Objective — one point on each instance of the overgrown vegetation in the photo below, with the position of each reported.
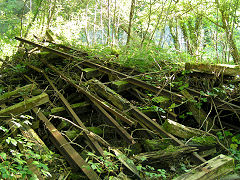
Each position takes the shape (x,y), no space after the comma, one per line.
(154,39)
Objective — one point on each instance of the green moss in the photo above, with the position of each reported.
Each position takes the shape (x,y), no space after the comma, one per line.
(89,69)
(156,144)
(171,148)
(119,83)
(160,99)
(95,130)
(204,140)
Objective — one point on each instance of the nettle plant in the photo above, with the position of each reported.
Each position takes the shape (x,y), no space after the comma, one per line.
(15,163)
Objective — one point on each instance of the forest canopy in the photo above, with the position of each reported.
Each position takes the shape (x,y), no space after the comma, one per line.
(179,30)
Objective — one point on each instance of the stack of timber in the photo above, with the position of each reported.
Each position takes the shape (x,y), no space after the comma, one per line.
(89,110)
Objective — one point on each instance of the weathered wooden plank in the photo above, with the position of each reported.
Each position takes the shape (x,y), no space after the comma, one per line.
(120,86)
(93,142)
(199,114)
(91,73)
(35,139)
(210,170)
(72,156)
(180,130)
(162,156)
(17,93)
(108,93)
(218,69)
(79,107)
(24,106)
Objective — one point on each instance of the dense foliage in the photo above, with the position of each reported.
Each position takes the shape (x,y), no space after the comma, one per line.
(202,30)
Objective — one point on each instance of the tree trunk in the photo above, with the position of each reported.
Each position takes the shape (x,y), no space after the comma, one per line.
(174,34)
(130,21)
(149,21)
(109,22)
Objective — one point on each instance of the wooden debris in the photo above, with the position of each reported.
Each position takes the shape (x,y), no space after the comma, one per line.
(108,93)
(218,69)
(25,90)
(199,114)
(99,103)
(180,130)
(72,156)
(162,156)
(93,142)
(156,144)
(106,70)
(90,73)
(24,106)
(120,86)
(80,108)
(126,161)
(210,170)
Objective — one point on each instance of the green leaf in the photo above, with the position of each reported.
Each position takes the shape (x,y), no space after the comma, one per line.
(3,129)
(227,133)
(234,146)
(14,142)
(3,155)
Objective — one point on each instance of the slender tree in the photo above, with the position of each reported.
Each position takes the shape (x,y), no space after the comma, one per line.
(130,21)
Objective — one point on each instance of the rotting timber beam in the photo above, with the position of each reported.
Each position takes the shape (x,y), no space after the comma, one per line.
(24,106)
(66,149)
(93,142)
(122,132)
(134,81)
(18,92)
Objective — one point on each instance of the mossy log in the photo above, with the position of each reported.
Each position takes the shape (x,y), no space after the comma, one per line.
(210,170)
(24,106)
(25,90)
(162,156)
(109,94)
(156,144)
(90,73)
(180,130)
(199,114)
(120,86)
(218,69)
(80,108)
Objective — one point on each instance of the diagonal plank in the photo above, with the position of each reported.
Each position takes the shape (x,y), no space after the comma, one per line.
(66,149)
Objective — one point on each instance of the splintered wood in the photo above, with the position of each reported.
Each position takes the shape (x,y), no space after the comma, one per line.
(210,170)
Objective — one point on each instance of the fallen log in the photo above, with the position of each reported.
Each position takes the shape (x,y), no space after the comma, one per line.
(210,170)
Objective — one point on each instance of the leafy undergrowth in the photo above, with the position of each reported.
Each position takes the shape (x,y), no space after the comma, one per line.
(169,74)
